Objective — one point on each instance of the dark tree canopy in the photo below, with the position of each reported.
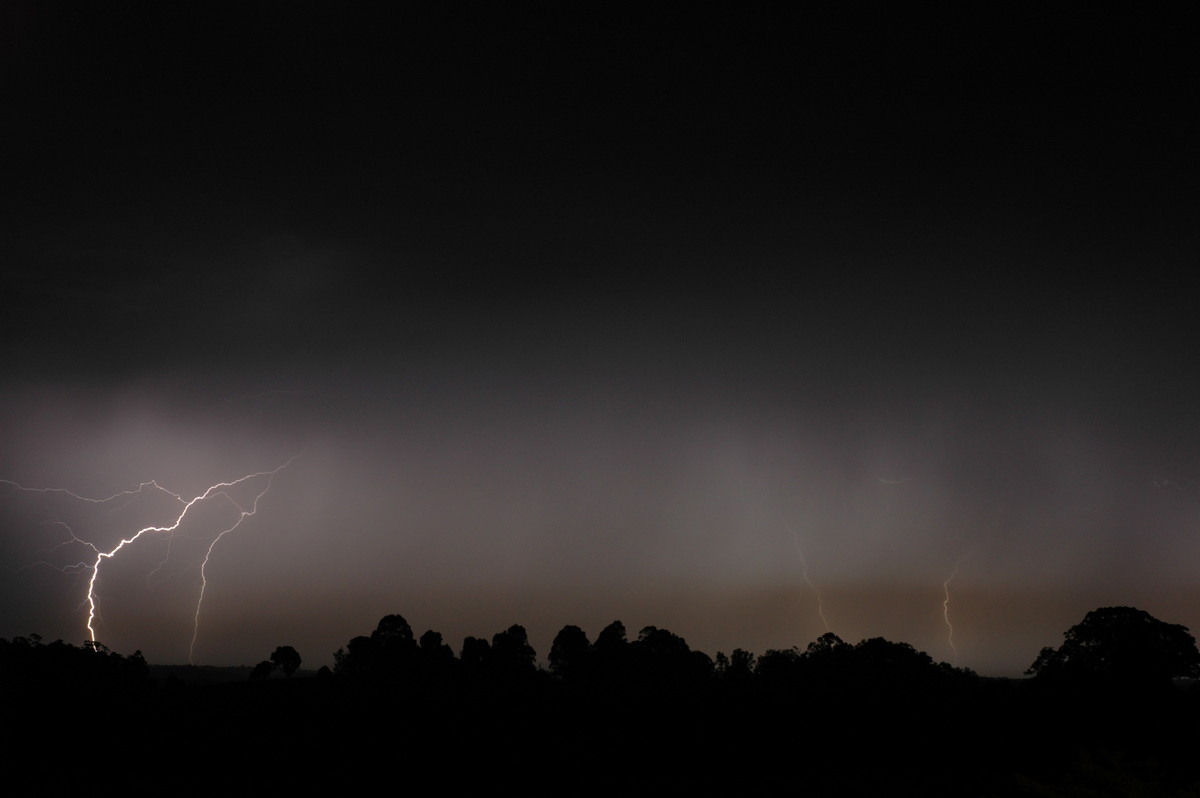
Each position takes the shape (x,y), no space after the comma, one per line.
(433,648)
(661,643)
(1120,646)
(827,645)
(393,632)
(569,650)
(262,670)
(355,657)
(71,670)
(738,665)
(511,651)
(390,649)
(287,659)
(475,652)
(611,637)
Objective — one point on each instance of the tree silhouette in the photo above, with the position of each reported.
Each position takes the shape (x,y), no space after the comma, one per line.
(475,653)
(739,665)
(287,659)
(611,637)
(262,670)
(511,652)
(827,645)
(569,651)
(356,657)
(393,631)
(434,649)
(1120,647)
(389,651)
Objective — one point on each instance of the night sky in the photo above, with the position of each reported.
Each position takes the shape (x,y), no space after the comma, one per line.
(599,314)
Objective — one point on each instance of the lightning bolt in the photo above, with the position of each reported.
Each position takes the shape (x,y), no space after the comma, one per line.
(221,491)
(804,575)
(946,610)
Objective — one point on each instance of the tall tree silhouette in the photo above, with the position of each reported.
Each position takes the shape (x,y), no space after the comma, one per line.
(569,651)
(511,653)
(1120,647)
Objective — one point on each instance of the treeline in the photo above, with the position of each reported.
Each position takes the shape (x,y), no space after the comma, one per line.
(1103,714)
(86,672)
(646,713)
(631,715)
(655,660)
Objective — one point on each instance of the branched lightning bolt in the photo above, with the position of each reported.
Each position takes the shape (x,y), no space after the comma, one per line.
(946,610)
(221,489)
(124,493)
(807,580)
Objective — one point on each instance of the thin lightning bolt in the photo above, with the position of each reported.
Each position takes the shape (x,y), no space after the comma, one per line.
(807,580)
(217,491)
(946,610)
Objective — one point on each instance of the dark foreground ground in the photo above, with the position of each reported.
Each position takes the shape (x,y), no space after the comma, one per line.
(539,734)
